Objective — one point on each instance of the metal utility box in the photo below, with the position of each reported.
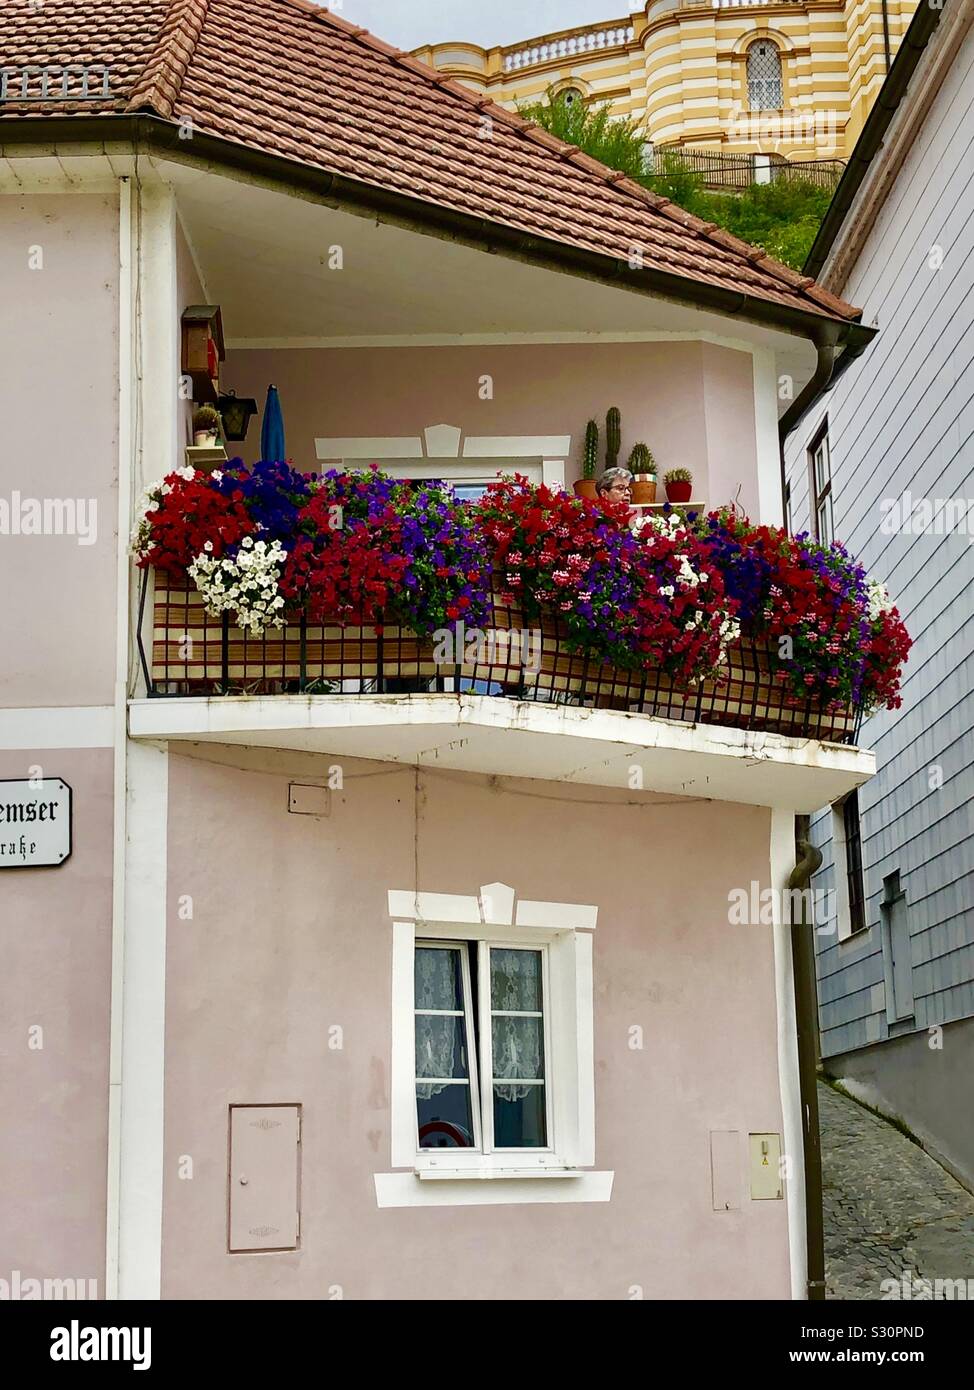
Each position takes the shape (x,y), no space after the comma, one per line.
(264,1172)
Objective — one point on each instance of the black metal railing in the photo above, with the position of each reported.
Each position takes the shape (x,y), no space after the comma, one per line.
(734,173)
(195,654)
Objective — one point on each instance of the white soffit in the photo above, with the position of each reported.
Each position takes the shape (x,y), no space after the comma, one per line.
(555,743)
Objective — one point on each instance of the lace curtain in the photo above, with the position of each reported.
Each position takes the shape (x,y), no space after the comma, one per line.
(440,1049)
(517,1043)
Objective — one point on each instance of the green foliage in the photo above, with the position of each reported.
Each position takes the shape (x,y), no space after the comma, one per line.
(613,436)
(678,475)
(617,143)
(641,460)
(675,181)
(591,450)
(781,217)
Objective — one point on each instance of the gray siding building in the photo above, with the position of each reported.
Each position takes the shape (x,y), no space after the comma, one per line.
(885,463)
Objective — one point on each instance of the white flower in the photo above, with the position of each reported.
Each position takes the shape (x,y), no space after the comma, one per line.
(216,476)
(878,598)
(245,584)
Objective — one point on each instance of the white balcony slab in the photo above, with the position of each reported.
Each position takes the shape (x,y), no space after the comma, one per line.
(554,743)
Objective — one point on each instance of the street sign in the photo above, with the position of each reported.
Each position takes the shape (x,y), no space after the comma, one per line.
(35,823)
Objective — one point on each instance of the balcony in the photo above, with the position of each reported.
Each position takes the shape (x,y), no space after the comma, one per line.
(526,632)
(550,713)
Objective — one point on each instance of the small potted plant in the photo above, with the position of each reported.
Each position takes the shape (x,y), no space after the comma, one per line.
(642,466)
(206,427)
(679,485)
(585,487)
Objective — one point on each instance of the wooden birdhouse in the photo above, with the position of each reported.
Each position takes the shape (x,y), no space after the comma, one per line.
(203,350)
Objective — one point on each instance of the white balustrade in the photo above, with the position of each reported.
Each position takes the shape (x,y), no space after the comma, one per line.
(589,41)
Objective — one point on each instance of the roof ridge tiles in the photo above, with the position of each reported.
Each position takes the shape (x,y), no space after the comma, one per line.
(160,82)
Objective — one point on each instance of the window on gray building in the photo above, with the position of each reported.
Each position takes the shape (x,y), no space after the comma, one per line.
(820,486)
(847,853)
(897,952)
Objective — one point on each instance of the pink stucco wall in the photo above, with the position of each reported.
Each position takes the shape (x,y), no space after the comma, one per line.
(290,935)
(691,402)
(59,372)
(55,930)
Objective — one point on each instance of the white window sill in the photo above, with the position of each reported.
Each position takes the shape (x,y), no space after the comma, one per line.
(515,1186)
(479,1174)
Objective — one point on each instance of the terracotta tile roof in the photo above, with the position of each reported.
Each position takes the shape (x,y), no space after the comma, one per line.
(287,78)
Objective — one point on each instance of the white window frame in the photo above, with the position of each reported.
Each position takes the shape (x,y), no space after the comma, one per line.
(463,472)
(563,931)
(472,1080)
(443,452)
(820,465)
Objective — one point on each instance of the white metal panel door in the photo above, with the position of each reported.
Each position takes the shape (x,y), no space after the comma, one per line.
(263,1173)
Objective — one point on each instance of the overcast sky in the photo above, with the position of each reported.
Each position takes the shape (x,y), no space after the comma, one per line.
(409,23)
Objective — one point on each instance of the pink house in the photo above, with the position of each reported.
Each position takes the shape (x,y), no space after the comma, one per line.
(257,1017)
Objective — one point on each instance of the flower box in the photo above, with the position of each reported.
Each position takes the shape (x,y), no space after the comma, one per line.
(196,653)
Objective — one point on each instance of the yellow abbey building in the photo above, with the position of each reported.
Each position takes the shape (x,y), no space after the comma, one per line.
(794,78)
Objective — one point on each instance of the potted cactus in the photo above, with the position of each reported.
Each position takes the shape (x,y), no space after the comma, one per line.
(613,436)
(642,466)
(585,487)
(206,426)
(679,485)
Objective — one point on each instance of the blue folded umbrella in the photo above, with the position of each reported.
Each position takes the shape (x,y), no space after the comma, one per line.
(272,448)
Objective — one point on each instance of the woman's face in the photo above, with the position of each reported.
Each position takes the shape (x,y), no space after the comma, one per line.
(620,491)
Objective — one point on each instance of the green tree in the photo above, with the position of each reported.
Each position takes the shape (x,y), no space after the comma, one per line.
(616,143)
(781,217)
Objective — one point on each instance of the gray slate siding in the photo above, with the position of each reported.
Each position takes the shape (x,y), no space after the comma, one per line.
(901,420)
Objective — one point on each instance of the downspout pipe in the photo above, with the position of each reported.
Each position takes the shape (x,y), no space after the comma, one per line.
(831,362)
(806,1013)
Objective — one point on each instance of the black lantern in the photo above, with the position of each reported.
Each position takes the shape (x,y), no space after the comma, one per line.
(236,412)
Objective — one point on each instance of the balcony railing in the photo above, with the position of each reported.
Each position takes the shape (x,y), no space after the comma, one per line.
(574,45)
(195,654)
(734,4)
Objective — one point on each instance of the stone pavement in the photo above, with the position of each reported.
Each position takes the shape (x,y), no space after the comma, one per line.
(889,1209)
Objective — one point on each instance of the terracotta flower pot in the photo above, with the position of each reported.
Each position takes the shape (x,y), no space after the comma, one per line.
(585,487)
(679,492)
(644,488)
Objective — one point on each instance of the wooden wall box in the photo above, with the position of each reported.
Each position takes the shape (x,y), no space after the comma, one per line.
(203,350)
